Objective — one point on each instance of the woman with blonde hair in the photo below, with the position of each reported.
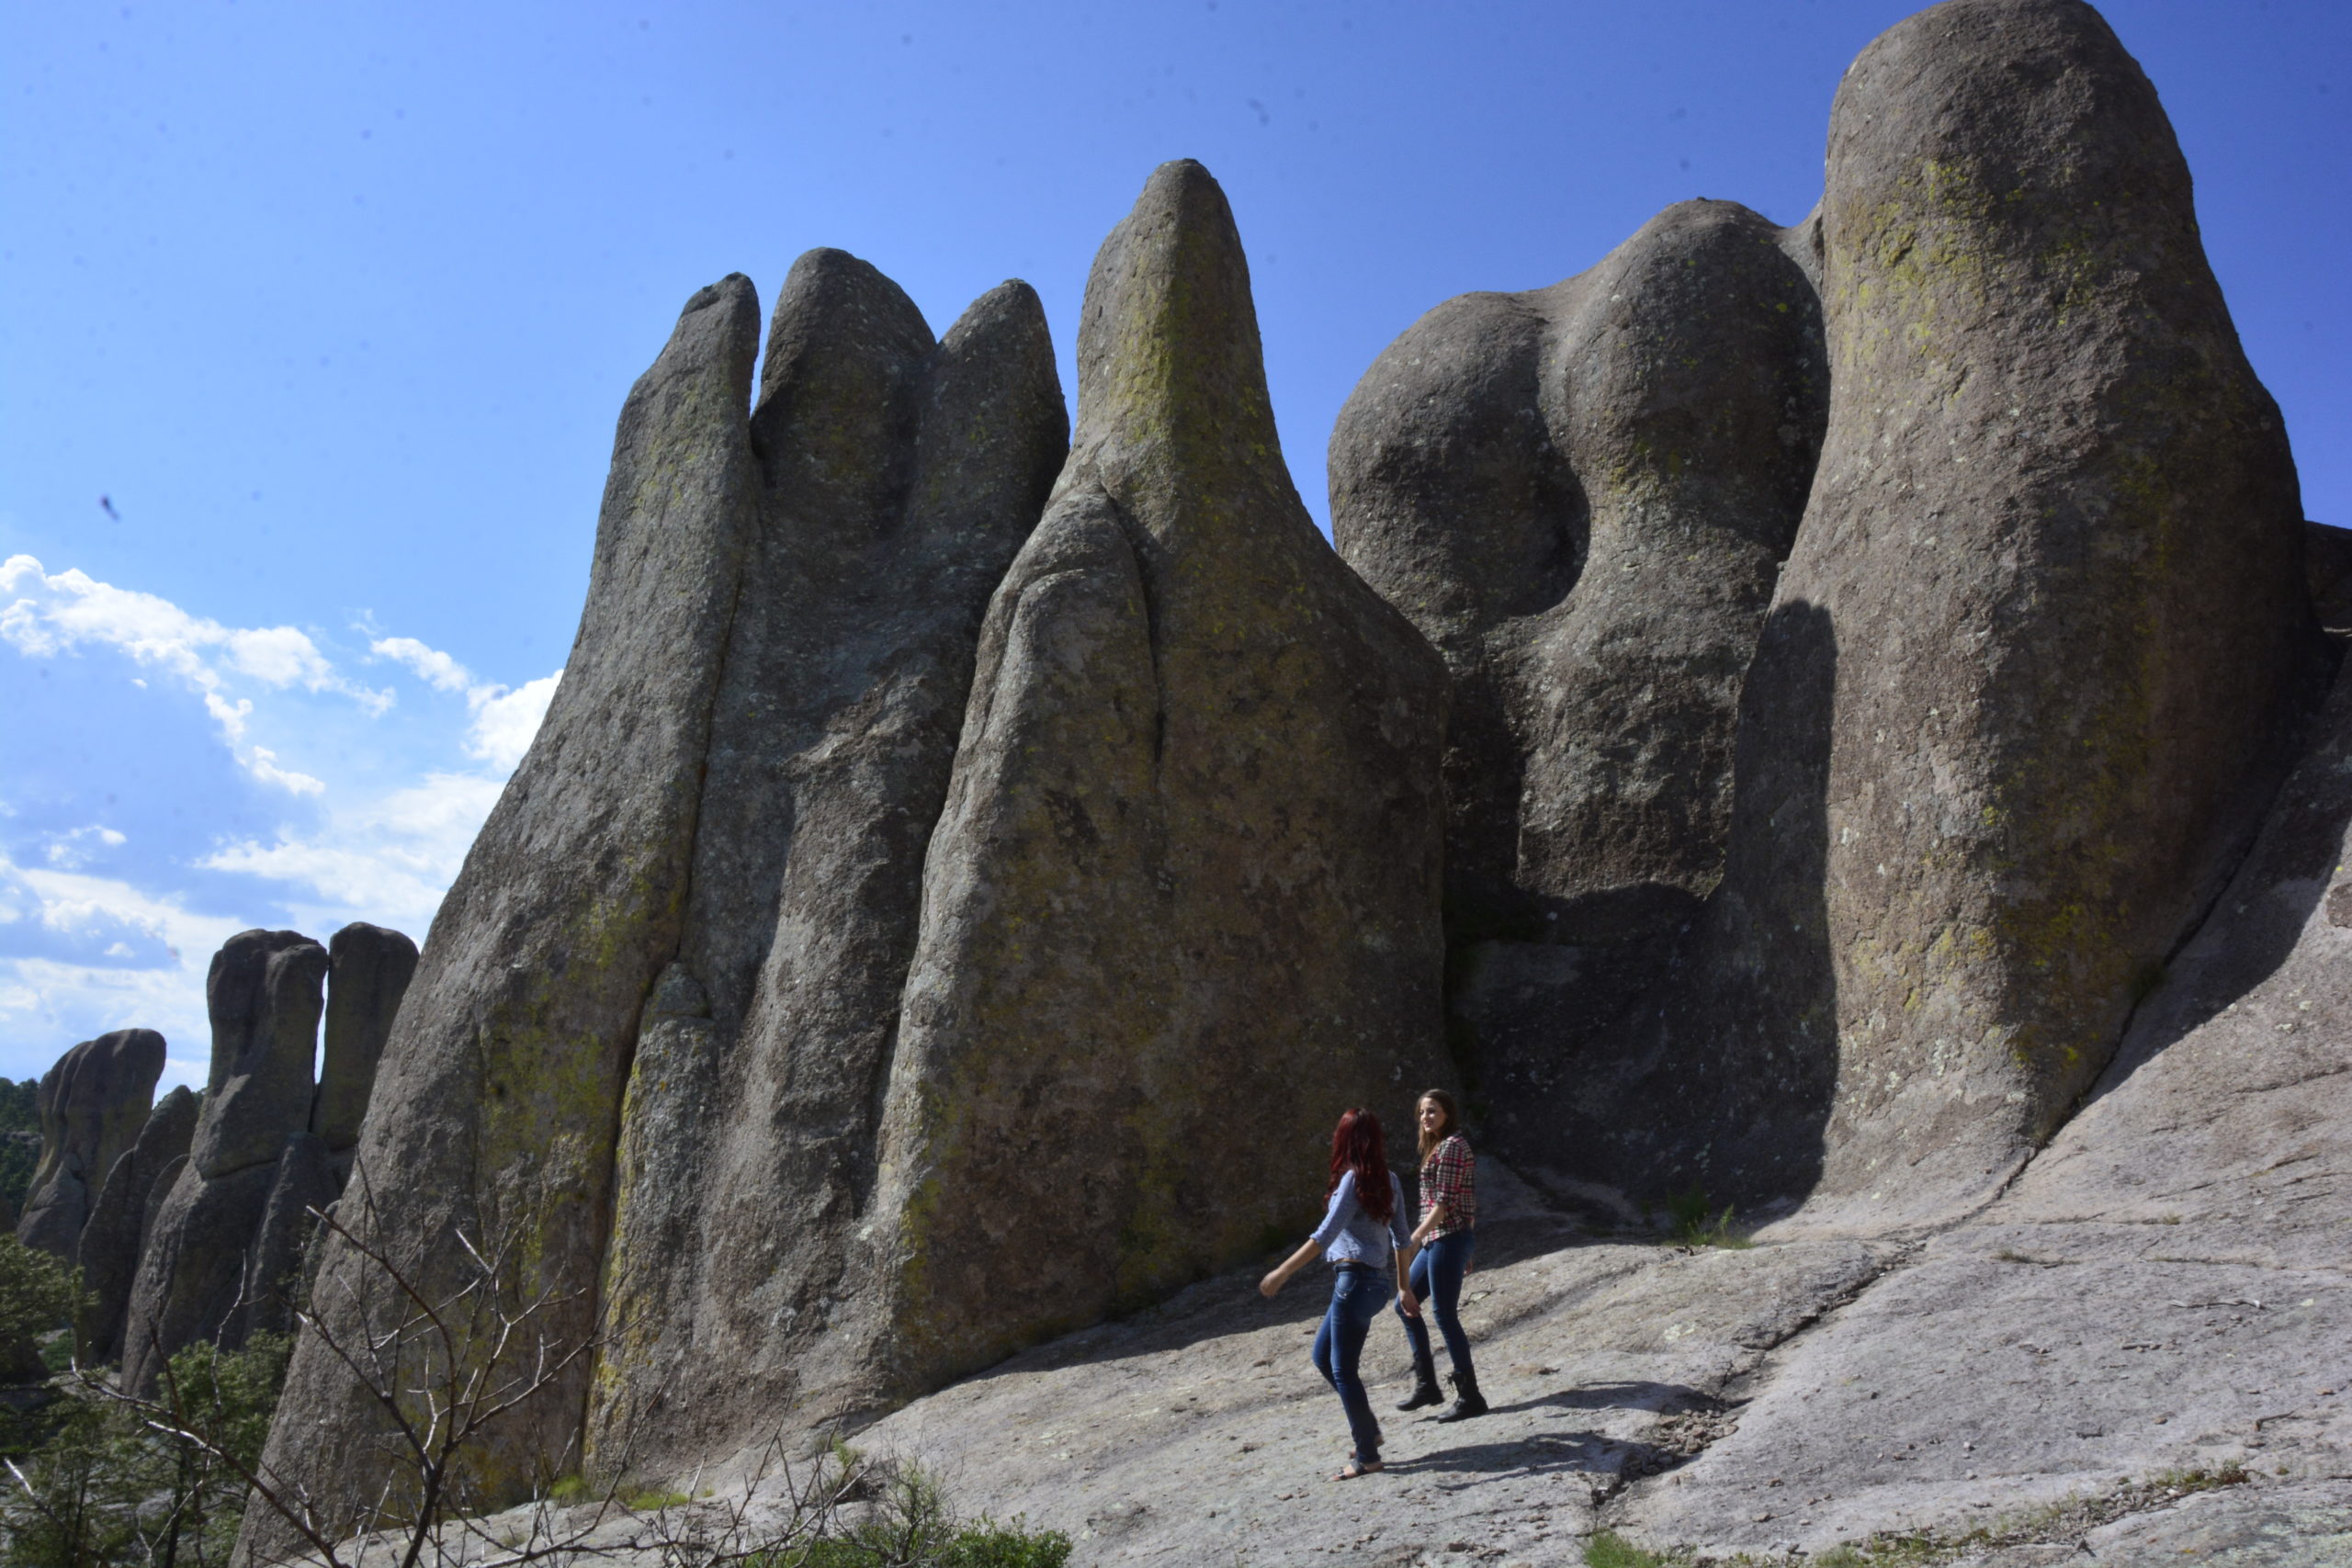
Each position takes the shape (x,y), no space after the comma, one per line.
(1443,1241)
(1363,1230)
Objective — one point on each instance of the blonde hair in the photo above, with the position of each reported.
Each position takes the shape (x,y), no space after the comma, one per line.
(1443,1102)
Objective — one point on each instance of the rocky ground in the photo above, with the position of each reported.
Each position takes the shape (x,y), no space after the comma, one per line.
(2140,1349)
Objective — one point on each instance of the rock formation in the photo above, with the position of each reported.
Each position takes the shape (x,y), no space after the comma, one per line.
(1583,495)
(825,1030)
(2019,693)
(502,1081)
(898,476)
(1189,860)
(941,911)
(369,969)
(2055,557)
(302,1181)
(116,1235)
(263,994)
(93,1104)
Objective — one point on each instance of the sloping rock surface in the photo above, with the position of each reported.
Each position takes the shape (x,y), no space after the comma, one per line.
(2165,1288)
(899,475)
(1189,859)
(2159,1300)
(92,1103)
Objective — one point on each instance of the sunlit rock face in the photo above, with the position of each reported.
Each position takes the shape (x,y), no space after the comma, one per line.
(1189,860)
(1785,690)
(1848,889)
(92,1103)
(1583,494)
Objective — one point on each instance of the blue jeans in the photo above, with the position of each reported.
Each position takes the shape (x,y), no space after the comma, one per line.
(1437,1284)
(1357,1295)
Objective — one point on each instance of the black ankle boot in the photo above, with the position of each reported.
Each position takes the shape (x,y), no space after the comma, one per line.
(1424,1383)
(1467,1399)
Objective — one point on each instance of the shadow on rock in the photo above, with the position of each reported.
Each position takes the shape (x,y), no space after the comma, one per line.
(1540,1453)
(1659,1397)
(1715,1078)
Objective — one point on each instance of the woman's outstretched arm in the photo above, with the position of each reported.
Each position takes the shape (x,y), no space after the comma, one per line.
(1289,1266)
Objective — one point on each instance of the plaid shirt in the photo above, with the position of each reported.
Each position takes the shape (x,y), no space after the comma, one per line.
(1447,1178)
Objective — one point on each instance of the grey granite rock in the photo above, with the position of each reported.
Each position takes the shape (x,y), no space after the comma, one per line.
(2047,626)
(192,1272)
(112,1241)
(2161,1289)
(498,1092)
(265,994)
(900,477)
(1582,495)
(370,972)
(92,1103)
(1184,893)
(304,1186)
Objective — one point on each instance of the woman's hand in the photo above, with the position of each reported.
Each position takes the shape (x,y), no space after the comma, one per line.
(1406,1303)
(1286,1268)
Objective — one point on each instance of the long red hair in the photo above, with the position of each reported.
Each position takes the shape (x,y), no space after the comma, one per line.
(1357,1145)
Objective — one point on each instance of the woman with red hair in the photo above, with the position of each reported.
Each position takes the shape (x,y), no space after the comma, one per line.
(1362,1233)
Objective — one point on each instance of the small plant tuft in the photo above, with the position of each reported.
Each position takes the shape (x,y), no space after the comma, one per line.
(1693,1220)
(1610,1550)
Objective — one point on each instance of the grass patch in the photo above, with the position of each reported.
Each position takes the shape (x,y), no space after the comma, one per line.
(909,1525)
(1610,1550)
(1693,1220)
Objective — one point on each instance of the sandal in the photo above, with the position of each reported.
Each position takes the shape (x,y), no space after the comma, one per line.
(1357,1467)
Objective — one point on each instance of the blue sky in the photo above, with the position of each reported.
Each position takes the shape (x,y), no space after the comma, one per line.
(335,304)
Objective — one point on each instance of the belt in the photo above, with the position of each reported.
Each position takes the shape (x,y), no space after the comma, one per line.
(1350,1265)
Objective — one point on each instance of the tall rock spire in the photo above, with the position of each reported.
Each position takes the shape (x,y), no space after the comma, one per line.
(899,477)
(1184,898)
(500,1087)
(2056,543)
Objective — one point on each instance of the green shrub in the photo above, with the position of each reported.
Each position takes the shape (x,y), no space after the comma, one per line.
(38,1293)
(107,1488)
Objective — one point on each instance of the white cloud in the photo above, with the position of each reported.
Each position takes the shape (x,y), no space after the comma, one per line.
(96,936)
(389,862)
(506,722)
(81,955)
(435,667)
(263,764)
(72,609)
(72,852)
